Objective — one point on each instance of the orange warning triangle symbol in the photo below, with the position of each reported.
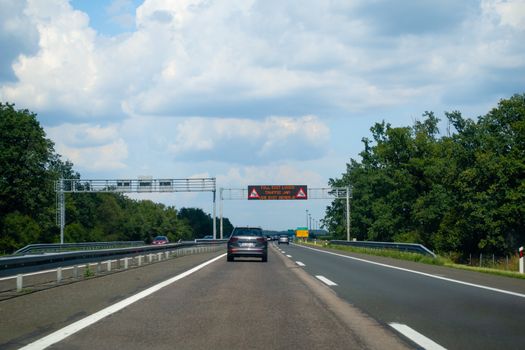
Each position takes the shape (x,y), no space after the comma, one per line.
(254,194)
(301,193)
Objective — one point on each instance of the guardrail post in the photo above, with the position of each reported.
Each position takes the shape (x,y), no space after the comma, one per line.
(139,263)
(159,256)
(19,283)
(125,263)
(75,272)
(167,254)
(521,259)
(59,275)
(108,268)
(98,268)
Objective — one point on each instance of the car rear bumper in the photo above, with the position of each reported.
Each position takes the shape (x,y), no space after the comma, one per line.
(248,252)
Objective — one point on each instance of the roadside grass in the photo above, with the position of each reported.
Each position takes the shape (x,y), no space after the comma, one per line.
(504,273)
(439,260)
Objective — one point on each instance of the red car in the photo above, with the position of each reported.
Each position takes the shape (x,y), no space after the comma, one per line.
(160,240)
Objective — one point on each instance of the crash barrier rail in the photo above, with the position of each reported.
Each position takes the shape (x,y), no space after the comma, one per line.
(205,240)
(71,272)
(57,247)
(31,260)
(404,247)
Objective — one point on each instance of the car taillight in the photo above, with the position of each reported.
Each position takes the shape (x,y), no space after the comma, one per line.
(261,240)
(233,239)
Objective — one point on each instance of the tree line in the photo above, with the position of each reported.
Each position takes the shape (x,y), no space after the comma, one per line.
(29,168)
(461,192)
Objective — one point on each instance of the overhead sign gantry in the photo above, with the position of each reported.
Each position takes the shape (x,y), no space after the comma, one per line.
(285,192)
(144,184)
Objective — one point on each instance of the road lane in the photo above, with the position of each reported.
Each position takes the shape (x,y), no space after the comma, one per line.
(244,304)
(455,316)
(29,317)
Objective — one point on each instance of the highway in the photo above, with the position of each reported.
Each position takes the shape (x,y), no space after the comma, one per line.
(302,298)
(239,305)
(426,298)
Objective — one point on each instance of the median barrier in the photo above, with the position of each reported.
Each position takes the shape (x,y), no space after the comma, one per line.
(68,273)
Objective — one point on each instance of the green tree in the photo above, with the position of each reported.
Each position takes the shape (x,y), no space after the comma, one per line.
(19,230)
(200,222)
(26,185)
(463,192)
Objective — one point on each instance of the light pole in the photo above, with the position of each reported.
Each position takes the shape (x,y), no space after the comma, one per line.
(306,218)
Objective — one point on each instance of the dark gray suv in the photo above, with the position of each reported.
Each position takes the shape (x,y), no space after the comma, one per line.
(248,242)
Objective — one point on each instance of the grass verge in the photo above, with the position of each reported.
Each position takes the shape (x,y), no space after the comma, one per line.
(440,261)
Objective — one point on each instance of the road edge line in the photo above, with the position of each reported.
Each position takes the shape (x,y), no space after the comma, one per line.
(419,273)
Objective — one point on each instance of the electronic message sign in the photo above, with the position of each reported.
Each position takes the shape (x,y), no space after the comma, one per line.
(277,192)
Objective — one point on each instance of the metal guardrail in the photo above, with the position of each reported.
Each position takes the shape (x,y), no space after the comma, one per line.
(47,258)
(205,240)
(404,247)
(66,247)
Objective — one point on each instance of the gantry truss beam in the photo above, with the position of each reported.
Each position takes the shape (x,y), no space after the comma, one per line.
(313,193)
(330,193)
(140,185)
(136,185)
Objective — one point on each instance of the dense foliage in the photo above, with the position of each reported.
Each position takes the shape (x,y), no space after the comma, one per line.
(29,168)
(463,192)
(202,223)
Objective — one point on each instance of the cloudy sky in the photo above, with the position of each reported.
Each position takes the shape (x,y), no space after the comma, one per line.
(251,92)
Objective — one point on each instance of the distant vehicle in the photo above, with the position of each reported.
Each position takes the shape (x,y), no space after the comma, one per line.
(247,242)
(207,237)
(284,239)
(160,240)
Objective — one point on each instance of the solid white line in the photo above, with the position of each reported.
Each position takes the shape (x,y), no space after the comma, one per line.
(289,256)
(300,263)
(326,281)
(420,273)
(65,332)
(416,337)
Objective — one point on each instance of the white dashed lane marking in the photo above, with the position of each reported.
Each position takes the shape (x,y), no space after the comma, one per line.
(326,281)
(416,337)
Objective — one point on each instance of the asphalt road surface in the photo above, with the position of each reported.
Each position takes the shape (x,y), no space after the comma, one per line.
(241,305)
(428,299)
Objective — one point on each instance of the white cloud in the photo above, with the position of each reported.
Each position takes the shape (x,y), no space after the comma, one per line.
(84,135)
(250,141)
(257,58)
(241,177)
(90,147)
(510,12)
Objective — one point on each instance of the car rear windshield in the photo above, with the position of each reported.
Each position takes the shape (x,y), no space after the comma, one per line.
(161,238)
(247,232)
